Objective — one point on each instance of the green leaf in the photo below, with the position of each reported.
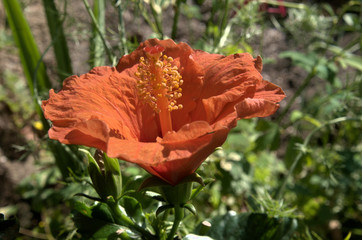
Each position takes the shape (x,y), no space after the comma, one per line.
(67,159)
(305,61)
(113,176)
(310,61)
(246,226)
(133,209)
(352,61)
(101,211)
(96,221)
(348,236)
(107,181)
(196,237)
(81,207)
(111,232)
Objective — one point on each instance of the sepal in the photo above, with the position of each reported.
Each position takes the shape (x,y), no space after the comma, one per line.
(152,181)
(190,207)
(197,190)
(163,208)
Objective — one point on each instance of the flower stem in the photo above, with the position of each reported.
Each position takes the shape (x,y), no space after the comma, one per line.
(111,57)
(179,215)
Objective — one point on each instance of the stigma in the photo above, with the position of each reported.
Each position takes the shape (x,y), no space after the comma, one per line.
(159,84)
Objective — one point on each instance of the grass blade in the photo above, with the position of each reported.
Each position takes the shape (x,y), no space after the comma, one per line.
(31,60)
(33,66)
(60,46)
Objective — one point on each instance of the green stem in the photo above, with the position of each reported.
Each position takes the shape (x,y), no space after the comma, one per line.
(179,215)
(285,4)
(224,20)
(123,220)
(175,19)
(96,25)
(146,18)
(156,18)
(305,143)
(122,28)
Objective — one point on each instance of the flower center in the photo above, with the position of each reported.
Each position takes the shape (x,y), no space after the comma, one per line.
(159,84)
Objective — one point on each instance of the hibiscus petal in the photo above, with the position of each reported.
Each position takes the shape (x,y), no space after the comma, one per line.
(200,148)
(93,132)
(102,94)
(269,91)
(227,81)
(184,150)
(250,108)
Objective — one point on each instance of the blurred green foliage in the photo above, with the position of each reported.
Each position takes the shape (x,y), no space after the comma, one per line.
(298,176)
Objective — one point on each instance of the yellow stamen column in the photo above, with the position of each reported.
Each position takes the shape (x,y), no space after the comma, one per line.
(159,84)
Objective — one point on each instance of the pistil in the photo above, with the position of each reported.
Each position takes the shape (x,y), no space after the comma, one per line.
(159,84)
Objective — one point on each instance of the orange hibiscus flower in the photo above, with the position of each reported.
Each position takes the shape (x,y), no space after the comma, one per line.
(165,106)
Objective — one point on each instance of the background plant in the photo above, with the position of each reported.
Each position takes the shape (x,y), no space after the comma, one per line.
(302,169)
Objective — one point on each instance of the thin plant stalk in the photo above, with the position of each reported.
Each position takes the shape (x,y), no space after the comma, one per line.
(156,18)
(122,28)
(179,215)
(224,20)
(110,55)
(146,17)
(97,57)
(175,19)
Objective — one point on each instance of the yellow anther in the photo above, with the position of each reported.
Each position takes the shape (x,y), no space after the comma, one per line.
(159,84)
(157,77)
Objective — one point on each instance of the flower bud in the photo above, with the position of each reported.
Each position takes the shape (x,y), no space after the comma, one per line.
(105,174)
